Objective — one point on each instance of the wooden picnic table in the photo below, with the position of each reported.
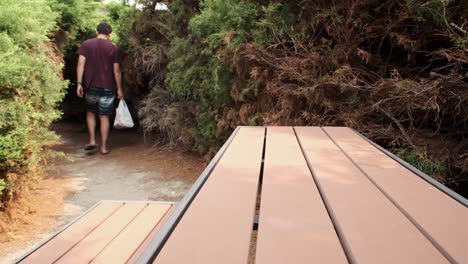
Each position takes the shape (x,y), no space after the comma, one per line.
(322,195)
(281,195)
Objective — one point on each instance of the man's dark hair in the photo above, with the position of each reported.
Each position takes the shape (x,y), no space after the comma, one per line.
(104,28)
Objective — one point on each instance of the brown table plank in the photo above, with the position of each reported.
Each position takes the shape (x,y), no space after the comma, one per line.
(217,226)
(60,244)
(294,226)
(373,229)
(443,218)
(123,246)
(96,241)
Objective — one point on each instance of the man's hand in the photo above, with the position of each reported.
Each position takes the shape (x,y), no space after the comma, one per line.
(80,91)
(120,94)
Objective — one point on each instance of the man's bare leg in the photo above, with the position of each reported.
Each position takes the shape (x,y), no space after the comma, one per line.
(105,124)
(91,121)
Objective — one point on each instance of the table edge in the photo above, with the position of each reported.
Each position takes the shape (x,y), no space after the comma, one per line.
(457,197)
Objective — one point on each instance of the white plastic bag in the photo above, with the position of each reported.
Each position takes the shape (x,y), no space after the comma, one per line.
(123,119)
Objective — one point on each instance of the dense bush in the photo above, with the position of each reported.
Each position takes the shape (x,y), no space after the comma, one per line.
(77,20)
(121,17)
(30,88)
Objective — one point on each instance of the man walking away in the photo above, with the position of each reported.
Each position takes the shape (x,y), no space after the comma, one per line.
(98,78)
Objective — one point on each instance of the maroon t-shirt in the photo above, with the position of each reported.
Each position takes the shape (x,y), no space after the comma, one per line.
(100,57)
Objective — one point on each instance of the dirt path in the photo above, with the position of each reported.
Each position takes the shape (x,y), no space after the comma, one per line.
(132,171)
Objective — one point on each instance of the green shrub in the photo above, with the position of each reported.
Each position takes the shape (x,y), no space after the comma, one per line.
(220,17)
(200,75)
(206,132)
(77,17)
(277,21)
(121,17)
(30,84)
(200,69)
(421,162)
(2,186)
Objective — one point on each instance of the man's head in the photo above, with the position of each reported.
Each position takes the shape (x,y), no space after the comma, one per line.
(104,29)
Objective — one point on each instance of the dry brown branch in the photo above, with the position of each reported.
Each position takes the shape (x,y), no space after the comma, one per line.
(459,29)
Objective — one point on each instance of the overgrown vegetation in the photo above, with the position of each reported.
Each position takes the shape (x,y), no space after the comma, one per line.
(31,86)
(394,70)
(34,35)
(421,162)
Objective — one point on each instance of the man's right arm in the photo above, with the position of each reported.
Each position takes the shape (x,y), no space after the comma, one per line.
(79,75)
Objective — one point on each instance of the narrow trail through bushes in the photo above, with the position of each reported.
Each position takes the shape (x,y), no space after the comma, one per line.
(133,171)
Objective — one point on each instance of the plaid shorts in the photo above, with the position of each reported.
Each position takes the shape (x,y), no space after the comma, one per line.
(100,101)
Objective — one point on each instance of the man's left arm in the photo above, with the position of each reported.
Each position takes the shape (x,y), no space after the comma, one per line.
(118,80)
(118,74)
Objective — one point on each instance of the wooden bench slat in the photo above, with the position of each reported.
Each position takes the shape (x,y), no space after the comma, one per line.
(60,244)
(373,229)
(294,226)
(128,241)
(443,218)
(134,258)
(96,241)
(217,226)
